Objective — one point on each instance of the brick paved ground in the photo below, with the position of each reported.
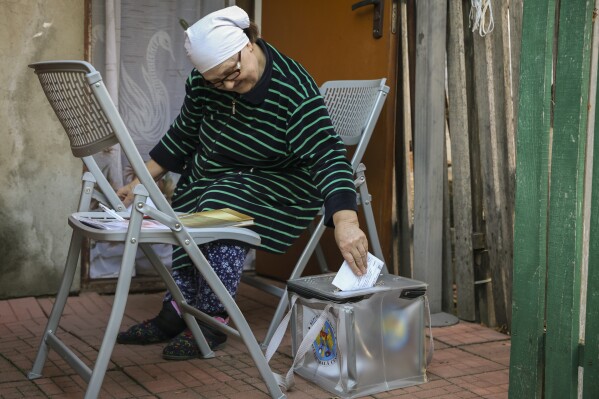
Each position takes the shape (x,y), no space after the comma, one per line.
(469,361)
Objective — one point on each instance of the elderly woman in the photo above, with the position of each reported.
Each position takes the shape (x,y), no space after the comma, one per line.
(253,135)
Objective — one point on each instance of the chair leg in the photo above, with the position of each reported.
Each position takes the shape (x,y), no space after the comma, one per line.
(87,192)
(276,319)
(237,318)
(250,342)
(252,345)
(114,322)
(59,304)
(322,261)
(297,272)
(373,237)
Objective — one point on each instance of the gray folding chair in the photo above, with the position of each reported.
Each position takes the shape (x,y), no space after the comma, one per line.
(78,96)
(354,107)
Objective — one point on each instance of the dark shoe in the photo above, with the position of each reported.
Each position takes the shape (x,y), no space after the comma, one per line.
(184,347)
(161,328)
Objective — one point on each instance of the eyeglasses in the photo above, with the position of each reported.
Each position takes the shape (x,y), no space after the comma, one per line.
(229,78)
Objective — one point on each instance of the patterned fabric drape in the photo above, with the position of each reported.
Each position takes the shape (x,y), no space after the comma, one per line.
(138,49)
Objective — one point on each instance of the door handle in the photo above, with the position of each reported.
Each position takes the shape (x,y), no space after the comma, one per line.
(377,18)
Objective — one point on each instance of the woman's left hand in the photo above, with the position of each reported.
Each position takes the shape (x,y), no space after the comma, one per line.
(351,240)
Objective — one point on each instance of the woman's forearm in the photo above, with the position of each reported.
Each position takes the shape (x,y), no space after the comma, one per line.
(156,171)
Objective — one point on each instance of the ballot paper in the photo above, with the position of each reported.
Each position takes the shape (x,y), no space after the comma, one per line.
(346,280)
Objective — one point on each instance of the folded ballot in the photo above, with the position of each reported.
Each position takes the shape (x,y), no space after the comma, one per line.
(346,280)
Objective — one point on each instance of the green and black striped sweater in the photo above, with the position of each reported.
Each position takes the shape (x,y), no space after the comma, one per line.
(271,153)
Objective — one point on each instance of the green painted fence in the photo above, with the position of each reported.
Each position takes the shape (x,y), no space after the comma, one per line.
(548,227)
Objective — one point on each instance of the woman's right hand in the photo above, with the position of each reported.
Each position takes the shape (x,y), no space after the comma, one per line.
(125,193)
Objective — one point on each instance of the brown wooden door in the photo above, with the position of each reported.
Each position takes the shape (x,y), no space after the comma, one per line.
(335,43)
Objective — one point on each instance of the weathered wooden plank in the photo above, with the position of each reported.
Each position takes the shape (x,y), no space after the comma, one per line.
(501,163)
(530,257)
(461,192)
(590,362)
(566,198)
(484,293)
(429,137)
(515,17)
(447,268)
(404,144)
(488,92)
(492,196)
(506,134)
(497,157)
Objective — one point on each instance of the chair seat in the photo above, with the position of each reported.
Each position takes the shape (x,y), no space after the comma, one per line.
(160,234)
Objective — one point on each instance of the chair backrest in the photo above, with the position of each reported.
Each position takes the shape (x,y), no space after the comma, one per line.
(66,84)
(91,120)
(354,107)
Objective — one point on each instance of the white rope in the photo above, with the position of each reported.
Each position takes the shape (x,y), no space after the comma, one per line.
(481,17)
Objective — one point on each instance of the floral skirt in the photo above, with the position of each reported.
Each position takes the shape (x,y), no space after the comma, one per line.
(227,261)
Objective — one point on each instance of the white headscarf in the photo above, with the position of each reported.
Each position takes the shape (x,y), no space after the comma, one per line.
(216,37)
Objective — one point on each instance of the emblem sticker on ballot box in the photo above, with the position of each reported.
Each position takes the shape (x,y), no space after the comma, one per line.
(324,346)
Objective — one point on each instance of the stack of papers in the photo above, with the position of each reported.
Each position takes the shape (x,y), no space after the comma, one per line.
(216,218)
(103,223)
(225,217)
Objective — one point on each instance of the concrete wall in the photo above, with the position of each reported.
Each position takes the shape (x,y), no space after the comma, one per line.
(39,179)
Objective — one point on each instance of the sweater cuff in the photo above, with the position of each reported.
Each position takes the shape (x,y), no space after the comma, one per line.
(164,158)
(342,201)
